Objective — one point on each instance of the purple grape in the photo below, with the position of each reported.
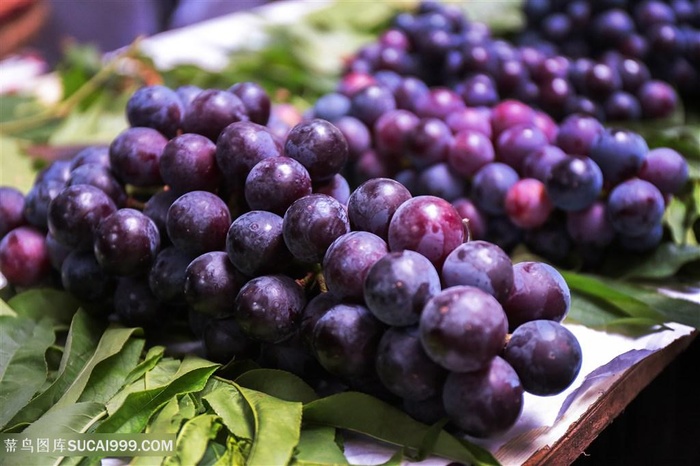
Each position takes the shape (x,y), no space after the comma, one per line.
(591,225)
(404,368)
(75,213)
(135,305)
(126,242)
(338,188)
(509,113)
(58,171)
(409,92)
(490,185)
(57,251)
(319,146)
(100,177)
(268,308)
(577,133)
(255,245)
(428,142)
(91,155)
(274,183)
(224,341)
(635,207)
(156,106)
(331,106)
(345,341)
(538,163)
(439,180)
(37,201)
(198,222)
(24,257)
(82,276)
(574,183)
(392,131)
(187,93)
(438,102)
(479,90)
(156,208)
(371,102)
(188,163)
(212,284)
(348,260)
(166,278)
(484,403)
(546,356)
(398,285)
(528,204)
(658,99)
(666,169)
(622,106)
(516,142)
(644,242)
(476,222)
(135,156)
(315,308)
(469,151)
(463,328)
(211,111)
(240,146)
(255,99)
(428,225)
(11,209)
(539,292)
(482,265)
(357,135)
(311,224)
(619,153)
(470,119)
(372,205)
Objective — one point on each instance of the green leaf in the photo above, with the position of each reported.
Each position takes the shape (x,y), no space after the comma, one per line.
(591,312)
(317,446)
(280,384)
(665,261)
(160,375)
(227,402)
(138,407)
(38,303)
(193,439)
(367,415)
(6,310)
(153,357)
(68,420)
(16,168)
(81,343)
(23,344)
(108,376)
(278,423)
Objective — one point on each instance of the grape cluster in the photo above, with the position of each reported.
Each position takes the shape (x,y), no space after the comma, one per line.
(664,35)
(440,46)
(255,240)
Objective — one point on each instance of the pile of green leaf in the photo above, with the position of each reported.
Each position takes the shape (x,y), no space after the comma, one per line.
(63,372)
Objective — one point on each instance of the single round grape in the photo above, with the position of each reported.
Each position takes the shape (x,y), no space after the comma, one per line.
(212,284)
(463,328)
(484,403)
(470,119)
(331,106)
(539,292)
(11,209)
(166,277)
(371,102)
(97,154)
(479,90)
(37,200)
(136,306)
(156,208)
(509,113)
(100,177)
(428,225)
(635,207)
(398,285)
(255,244)
(439,180)
(24,257)
(255,99)
(538,163)
(268,308)
(490,185)
(392,131)
(438,102)
(619,153)
(156,106)
(58,170)
(224,341)
(75,213)
(469,151)
(315,308)
(274,183)
(319,146)
(577,133)
(187,93)
(57,251)
(211,111)
(546,356)
(198,222)
(134,156)
(126,242)
(622,106)
(240,146)
(82,276)
(409,91)
(372,205)
(337,188)
(345,340)
(528,204)
(404,368)
(188,163)
(516,142)
(311,224)
(666,169)
(348,260)
(482,265)
(574,183)
(658,99)
(644,242)
(429,142)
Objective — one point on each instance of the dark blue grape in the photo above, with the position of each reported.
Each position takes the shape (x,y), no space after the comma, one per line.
(619,153)
(166,278)
(622,106)
(156,208)
(37,201)
(198,222)
(156,106)
(546,356)
(58,171)
(574,183)
(666,169)
(371,102)
(82,276)
(490,185)
(274,183)
(126,242)
(635,207)
(331,106)
(644,242)
(255,99)
(255,245)
(319,146)
(484,403)
(439,180)
(590,226)
(134,156)
(211,111)
(212,284)
(188,163)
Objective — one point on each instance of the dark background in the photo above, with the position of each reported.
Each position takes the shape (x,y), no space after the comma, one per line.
(661,426)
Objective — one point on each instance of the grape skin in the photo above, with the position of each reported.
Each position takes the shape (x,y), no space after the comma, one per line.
(635,207)
(24,257)
(11,209)
(212,284)
(198,222)
(372,205)
(255,245)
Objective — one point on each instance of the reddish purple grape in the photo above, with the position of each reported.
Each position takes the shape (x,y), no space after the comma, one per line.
(11,209)
(372,205)
(24,257)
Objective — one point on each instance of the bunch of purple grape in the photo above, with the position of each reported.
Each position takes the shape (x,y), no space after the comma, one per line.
(662,34)
(438,45)
(201,212)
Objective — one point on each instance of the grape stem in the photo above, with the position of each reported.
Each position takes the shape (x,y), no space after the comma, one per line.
(320,279)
